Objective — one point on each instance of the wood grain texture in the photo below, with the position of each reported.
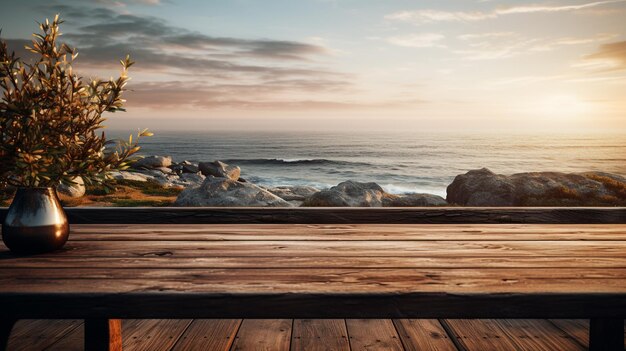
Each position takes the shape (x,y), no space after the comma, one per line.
(153,334)
(480,335)
(347,232)
(539,335)
(29,334)
(319,335)
(208,334)
(461,248)
(234,274)
(373,334)
(329,215)
(320,262)
(423,335)
(72,341)
(263,335)
(577,328)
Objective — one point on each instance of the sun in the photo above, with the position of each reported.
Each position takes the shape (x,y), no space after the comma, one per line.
(562,106)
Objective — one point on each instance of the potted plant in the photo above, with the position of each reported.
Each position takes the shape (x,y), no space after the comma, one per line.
(50,122)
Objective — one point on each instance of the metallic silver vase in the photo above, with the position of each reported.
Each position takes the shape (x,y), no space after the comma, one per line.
(35,222)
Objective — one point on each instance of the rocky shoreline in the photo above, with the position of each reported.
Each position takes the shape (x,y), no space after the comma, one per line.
(219,184)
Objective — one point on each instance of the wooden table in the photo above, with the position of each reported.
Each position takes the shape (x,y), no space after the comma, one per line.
(109,272)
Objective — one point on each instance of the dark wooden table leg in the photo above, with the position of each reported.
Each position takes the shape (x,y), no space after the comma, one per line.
(606,335)
(6,324)
(103,335)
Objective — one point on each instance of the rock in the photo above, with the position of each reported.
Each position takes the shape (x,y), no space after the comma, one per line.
(413,200)
(480,187)
(176,168)
(151,162)
(169,181)
(164,170)
(355,194)
(76,189)
(192,179)
(219,169)
(349,193)
(154,173)
(485,188)
(221,191)
(125,175)
(190,168)
(293,193)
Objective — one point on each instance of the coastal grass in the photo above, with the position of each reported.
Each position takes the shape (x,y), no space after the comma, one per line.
(124,193)
(149,187)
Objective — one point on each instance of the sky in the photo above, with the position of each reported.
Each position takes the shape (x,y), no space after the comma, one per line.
(432,65)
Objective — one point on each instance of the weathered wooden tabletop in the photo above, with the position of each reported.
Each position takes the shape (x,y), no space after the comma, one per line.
(112,271)
(323,271)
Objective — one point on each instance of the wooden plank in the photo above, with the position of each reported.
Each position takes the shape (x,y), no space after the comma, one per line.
(329,215)
(347,232)
(606,334)
(72,341)
(333,248)
(208,334)
(319,335)
(153,334)
(373,334)
(577,328)
(318,262)
(423,335)
(538,335)
(263,334)
(480,335)
(103,334)
(323,280)
(29,334)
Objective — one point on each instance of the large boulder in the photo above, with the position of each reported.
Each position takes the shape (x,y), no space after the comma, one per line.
(218,191)
(413,200)
(356,194)
(293,193)
(74,189)
(348,194)
(485,188)
(219,169)
(151,162)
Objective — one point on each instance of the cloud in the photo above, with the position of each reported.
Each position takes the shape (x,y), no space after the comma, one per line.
(610,56)
(122,3)
(500,45)
(430,16)
(467,37)
(110,27)
(179,67)
(426,40)
(182,94)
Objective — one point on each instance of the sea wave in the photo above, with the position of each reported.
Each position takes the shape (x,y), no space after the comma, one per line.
(294,161)
(408,189)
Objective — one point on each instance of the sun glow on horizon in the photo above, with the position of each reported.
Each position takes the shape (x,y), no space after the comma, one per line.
(562,106)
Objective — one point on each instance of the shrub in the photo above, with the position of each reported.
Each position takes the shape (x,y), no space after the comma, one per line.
(50,119)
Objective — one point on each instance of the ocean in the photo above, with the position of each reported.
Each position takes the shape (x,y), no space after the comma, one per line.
(399,162)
